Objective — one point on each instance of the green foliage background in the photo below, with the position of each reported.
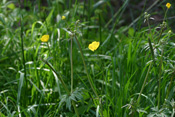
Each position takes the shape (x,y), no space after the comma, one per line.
(130,74)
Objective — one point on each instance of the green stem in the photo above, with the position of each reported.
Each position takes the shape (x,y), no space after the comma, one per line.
(84,7)
(99,16)
(150,45)
(89,18)
(165,14)
(150,29)
(138,100)
(160,34)
(59,76)
(48,47)
(152,51)
(160,66)
(71,67)
(23,58)
(162,28)
(89,79)
(159,77)
(170,86)
(76,111)
(99,57)
(70,3)
(63,83)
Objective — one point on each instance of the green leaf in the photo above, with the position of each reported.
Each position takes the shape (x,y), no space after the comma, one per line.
(131,32)
(48,19)
(11,6)
(21,79)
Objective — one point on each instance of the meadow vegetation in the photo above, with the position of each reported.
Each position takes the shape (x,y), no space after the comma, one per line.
(88,58)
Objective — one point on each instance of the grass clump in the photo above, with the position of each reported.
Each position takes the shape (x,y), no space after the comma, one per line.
(60,58)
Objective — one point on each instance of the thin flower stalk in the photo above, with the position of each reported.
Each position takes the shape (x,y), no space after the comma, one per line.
(159,77)
(59,76)
(71,67)
(149,41)
(168,5)
(89,79)
(169,88)
(63,83)
(138,100)
(23,58)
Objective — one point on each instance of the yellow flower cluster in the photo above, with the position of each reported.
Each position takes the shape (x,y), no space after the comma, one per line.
(168,5)
(45,38)
(94,45)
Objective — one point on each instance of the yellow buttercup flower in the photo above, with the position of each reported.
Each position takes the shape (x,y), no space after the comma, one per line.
(63,17)
(94,45)
(45,38)
(168,5)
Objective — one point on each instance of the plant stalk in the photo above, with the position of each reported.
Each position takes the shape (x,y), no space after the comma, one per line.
(63,83)
(23,59)
(71,67)
(89,79)
(59,76)
(159,77)
(138,100)
(75,108)
(48,48)
(171,82)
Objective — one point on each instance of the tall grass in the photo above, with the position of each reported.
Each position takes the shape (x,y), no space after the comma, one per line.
(130,74)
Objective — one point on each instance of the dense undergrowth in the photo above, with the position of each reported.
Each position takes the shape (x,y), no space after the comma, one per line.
(130,73)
